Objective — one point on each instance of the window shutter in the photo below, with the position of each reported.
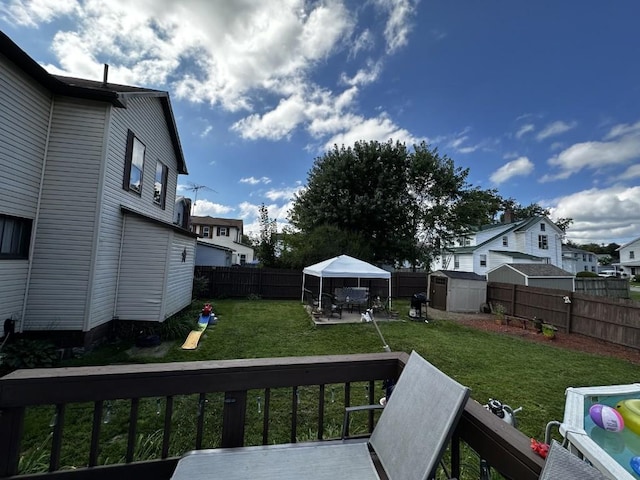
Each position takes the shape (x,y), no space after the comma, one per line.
(228,231)
(218,232)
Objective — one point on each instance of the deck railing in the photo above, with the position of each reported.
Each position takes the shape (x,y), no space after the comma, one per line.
(251,395)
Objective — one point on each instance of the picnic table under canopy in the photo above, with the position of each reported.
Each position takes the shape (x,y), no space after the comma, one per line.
(344,266)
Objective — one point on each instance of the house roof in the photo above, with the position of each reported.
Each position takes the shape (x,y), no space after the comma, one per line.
(112,93)
(627,244)
(455,274)
(536,270)
(520,255)
(517,226)
(217,222)
(213,245)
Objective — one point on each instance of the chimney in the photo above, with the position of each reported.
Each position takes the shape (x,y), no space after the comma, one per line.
(105,75)
(508,216)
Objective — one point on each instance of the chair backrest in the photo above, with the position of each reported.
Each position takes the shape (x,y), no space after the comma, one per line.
(561,463)
(417,423)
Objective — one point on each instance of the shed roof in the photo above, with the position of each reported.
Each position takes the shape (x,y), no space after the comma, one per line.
(455,274)
(536,270)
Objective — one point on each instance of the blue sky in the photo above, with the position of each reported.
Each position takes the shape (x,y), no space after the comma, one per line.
(539,99)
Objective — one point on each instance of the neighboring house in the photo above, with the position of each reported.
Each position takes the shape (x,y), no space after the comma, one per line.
(87,203)
(534,240)
(630,258)
(223,232)
(212,255)
(576,260)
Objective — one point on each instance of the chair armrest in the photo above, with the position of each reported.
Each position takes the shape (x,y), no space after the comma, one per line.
(358,408)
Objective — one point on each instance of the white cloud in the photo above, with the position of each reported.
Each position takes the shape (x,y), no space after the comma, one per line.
(204,207)
(379,128)
(249,213)
(554,129)
(33,12)
(398,27)
(364,41)
(632,172)
(529,127)
(207,130)
(522,166)
(283,193)
(255,181)
(623,146)
(363,76)
(601,215)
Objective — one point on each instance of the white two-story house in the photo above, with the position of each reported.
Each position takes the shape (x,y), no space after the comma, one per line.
(630,258)
(534,240)
(576,260)
(87,195)
(223,233)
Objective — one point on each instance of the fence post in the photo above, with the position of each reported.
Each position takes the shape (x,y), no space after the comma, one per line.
(11,426)
(233,418)
(569,304)
(513,299)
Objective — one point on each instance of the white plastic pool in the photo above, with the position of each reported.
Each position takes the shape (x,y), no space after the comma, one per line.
(609,452)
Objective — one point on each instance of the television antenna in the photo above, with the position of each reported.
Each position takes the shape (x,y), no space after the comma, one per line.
(195,187)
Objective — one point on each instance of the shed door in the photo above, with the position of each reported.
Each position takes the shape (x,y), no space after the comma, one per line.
(438,294)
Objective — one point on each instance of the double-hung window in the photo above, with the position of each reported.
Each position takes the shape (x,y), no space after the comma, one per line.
(483,260)
(543,242)
(134,164)
(160,185)
(15,235)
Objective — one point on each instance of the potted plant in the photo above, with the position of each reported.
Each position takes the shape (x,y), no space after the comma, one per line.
(549,330)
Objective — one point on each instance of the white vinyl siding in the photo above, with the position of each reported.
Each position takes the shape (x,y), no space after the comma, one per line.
(143,270)
(25,110)
(13,280)
(180,281)
(63,252)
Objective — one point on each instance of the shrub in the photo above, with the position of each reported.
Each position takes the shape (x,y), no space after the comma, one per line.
(636,279)
(200,287)
(24,353)
(177,327)
(586,274)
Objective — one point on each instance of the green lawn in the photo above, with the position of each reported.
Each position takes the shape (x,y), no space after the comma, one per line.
(515,371)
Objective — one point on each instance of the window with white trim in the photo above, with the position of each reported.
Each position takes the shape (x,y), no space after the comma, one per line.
(632,255)
(456,261)
(205,232)
(543,242)
(543,227)
(483,260)
(505,241)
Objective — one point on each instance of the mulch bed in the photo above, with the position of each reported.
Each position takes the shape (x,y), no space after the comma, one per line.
(571,341)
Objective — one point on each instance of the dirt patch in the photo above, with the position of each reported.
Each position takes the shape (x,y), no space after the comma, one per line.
(572,341)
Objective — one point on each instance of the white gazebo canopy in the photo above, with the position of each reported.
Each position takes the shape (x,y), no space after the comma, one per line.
(344,266)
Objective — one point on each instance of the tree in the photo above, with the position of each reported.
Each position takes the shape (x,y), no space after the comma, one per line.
(386,203)
(266,247)
(360,192)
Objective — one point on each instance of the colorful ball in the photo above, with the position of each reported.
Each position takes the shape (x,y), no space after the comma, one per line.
(635,464)
(606,417)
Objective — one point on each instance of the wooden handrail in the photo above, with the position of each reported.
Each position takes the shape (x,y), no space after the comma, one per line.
(507,450)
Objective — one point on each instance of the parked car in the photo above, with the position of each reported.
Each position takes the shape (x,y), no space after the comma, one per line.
(608,273)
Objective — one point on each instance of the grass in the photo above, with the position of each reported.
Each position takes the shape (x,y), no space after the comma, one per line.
(515,371)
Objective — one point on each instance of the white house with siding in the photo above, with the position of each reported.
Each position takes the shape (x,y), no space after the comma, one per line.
(223,232)
(534,240)
(87,202)
(630,258)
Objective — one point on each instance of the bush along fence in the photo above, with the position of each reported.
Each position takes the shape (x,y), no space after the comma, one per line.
(284,284)
(615,320)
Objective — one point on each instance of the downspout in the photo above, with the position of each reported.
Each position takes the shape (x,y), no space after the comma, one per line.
(115,297)
(35,223)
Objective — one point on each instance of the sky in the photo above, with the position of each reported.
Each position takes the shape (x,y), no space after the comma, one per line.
(538,99)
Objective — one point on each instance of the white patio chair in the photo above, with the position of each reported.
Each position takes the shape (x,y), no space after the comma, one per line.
(561,464)
(409,440)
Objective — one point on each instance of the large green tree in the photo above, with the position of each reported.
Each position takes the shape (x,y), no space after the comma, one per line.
(265,248)
(386,204)
(361,192)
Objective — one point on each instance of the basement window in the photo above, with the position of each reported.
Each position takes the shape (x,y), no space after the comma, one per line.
(15,236)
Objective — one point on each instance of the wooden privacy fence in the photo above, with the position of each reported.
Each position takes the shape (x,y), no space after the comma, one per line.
(285,284)
(615,320)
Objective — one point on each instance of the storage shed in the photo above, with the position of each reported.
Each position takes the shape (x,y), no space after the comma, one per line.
(533,275)
(456,291)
